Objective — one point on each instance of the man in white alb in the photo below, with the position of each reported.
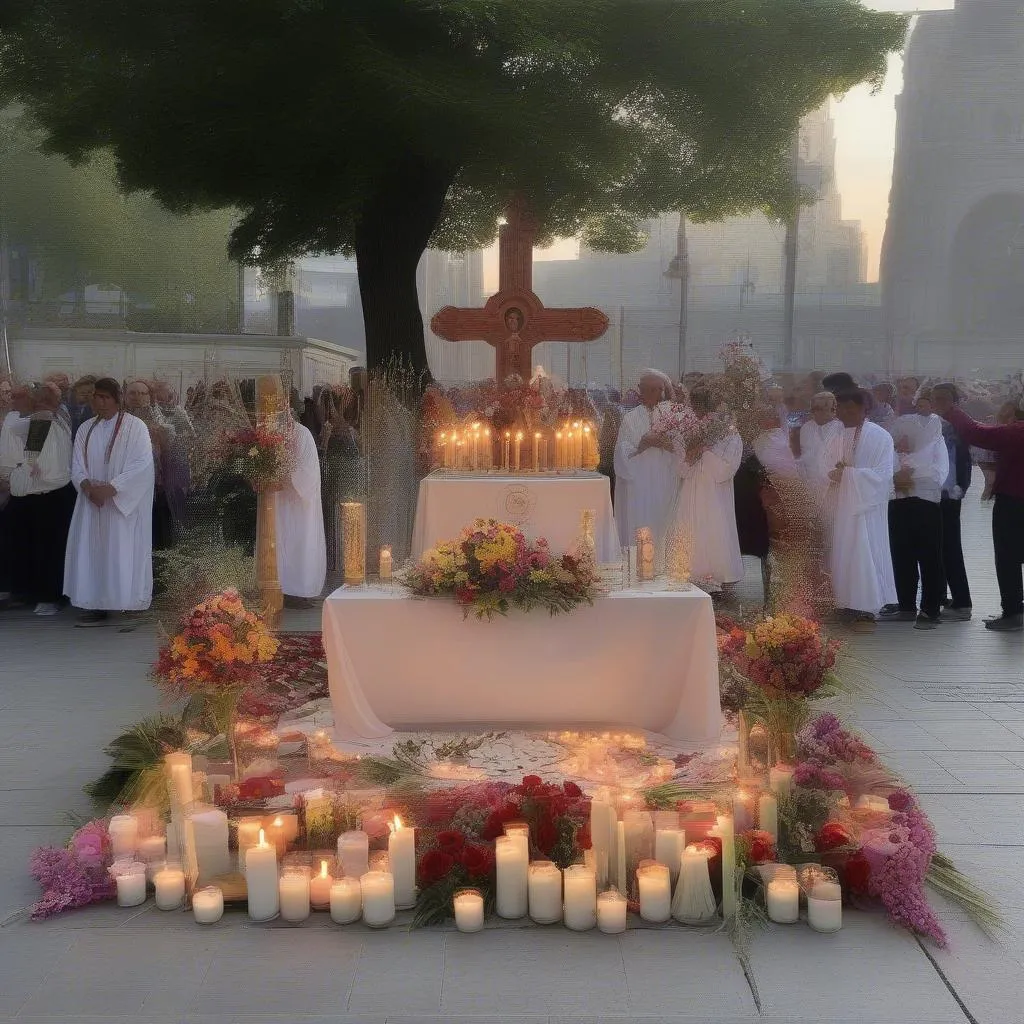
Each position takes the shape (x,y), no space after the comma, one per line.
(13,434)
(645,474)
(109,564)
(858,464)
(814,435)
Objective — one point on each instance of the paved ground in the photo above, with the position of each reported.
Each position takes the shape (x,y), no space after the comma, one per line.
(946,708)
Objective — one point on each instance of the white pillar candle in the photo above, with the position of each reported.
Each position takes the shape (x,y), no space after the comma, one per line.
(261,880)
(386,563)
(744,811)
(611,912)
(346,900)
(768,815)
(655,885)
(248,833)
(536,453)
(208,905)
(620,856)
(545,892)
(872,803)
(402,863)
(639,845)
(169,885)
(579,908)
(780,780)
(825,907)
(469,910)
(520,831)
(726,832)
(210,829)
(378,888)
(320,888)
(694,899)
(783,898)
(600,834)
(512,877)
(669,844)
(130,877)
(293,890)
(124,834)
(152,852)
(179,769)
(354,854)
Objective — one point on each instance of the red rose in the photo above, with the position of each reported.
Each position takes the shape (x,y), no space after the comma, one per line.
(260,788)
(762,846)
(478,861)
(434,866)
(532,782)
(857,873)
(572,791)
(451,841)
(833,835)
(547,835)
(497,820)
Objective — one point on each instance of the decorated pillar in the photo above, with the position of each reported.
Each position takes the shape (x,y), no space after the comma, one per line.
(269,403)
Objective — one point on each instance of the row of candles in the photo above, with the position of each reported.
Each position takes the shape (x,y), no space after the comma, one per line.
(575,447)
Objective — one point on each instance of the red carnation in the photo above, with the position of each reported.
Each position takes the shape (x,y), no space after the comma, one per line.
(478,861)
(532,782)
(857,873)
(434,865)
(451,841)
(762,846)
(833,835)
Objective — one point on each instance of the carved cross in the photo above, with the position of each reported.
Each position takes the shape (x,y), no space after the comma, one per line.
(514,319)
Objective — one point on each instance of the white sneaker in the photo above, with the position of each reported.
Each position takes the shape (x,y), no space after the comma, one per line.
(45,608)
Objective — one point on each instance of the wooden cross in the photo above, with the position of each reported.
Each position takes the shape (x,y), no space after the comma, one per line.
(514,319)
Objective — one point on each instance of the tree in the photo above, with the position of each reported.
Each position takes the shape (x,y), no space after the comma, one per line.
(377,127)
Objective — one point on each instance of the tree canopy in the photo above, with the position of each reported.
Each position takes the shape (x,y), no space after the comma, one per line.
(377,127)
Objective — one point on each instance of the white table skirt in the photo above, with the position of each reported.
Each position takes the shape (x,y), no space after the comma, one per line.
(640,659)
(541,506)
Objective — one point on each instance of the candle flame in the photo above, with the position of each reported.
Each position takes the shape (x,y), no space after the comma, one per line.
(396,825)
(263,838)
(537,435)
(323,869)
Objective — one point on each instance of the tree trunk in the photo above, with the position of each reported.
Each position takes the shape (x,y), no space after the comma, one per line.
(390,239)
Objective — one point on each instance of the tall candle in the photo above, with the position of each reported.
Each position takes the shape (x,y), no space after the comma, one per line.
(577,430)
(825,907)
(512,877)
(169,886)
(208,905)
(130,878)
(261,880)
(378,889)
(620,855)
(694,900)
(353,542)
(780,780)
(210,828)
(488,450)
(468,906)
(385,562)
(579,908)
(179,768)
(346,900)
(402,862)
(644,554)
(727,833)
(293,888)
(783,899)
(476,447)
(354,854)
(611,912)
(655,887)
(768,815)
(320,888)
(507,451)
(520,831)
(669,844)
(743,752)
(600,833)
(545,892)
(124,834)
(559,451)
(536,452)
(744,811)
(519,447)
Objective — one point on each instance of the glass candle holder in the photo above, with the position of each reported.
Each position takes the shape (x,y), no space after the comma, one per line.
(293,891)
(809,875)
(545,892)
(208,905)
(655,886)
(825,906)
(611,912)
(378,889)
(346,900)
(169,886)
(130,878)
(353,538)
(468,905)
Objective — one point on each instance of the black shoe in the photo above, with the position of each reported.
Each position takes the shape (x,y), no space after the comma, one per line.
(894,613)
(1006,624)
(927,622)
(957,614)
(298,602)
(90,619)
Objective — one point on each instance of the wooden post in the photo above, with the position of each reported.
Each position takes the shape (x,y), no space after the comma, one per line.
(269,404)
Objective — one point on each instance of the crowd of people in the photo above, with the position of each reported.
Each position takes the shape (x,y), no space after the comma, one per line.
(855,490)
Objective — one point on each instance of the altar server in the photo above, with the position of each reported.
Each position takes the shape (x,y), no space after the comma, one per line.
(858,465)
(815,434)
(645,474)
(705,512)
(109,564)
(301,542)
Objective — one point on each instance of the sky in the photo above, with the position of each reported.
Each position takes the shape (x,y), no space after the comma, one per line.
(865,140)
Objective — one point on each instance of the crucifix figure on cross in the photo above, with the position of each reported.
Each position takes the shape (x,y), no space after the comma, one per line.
(514,319)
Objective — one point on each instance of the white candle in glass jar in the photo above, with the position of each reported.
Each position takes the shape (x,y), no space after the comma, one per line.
(261,880)
(320,888)
(346,900)
(545,892)
(152,849)
(669,844)
(620,855)
(169,886)
(768,815)
(780,780)
(378,888)
(655,885)
(579,908)
(293,890)
(402,863)
(744,811)
(512,881)
(208,905)
(131,884)
(354,854)
(611,912)
(783,898)
(825,907)
(386,564)
(468,905)
(124,834)
(520,831)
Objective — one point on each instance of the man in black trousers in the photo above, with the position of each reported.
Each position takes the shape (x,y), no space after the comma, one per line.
(958,605)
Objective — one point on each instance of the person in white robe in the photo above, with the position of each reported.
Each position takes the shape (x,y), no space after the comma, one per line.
(646,480)
(43,481)
(814,436)
(13,434)
(858,464)
(109,563)
(704,517)
(301,539)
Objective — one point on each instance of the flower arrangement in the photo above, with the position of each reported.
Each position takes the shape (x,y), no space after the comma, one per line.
(492,568)
(76,875)
(680,423)
(259,454)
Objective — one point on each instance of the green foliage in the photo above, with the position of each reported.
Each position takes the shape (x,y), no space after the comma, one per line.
(193,570)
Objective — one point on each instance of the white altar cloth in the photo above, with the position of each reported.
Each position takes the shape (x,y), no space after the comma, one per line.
(541,506)
(643,659)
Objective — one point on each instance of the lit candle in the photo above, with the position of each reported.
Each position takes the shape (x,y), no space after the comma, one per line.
(385,562)
(744,811)
(261,879)
(783,898)
(512,877)
(694,900)
(559,454)
(600,832)
(402,862)
(130,877)
(519,446)
(669,844)
(590,453)
(354,854)
(620,855)
(320,888)
(768,815)
(507,451)
(169,885)
(825,907)
(353,542)
(726,831)
(743,739)
(780,780)
(124,834)
(208,905)
(443,459)
(460,454)
(644,554)
(293,889)
(346,900)
(179,768)
(536,452)
(476,447)
(577,434)
(488,450)
(520,830)
(248,833)
(655,887)
(468,905)
(611,912)
(545,892)
(378,888)
(579,908)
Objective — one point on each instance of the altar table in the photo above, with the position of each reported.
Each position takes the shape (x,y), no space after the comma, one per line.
(643,659)
(541,506)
